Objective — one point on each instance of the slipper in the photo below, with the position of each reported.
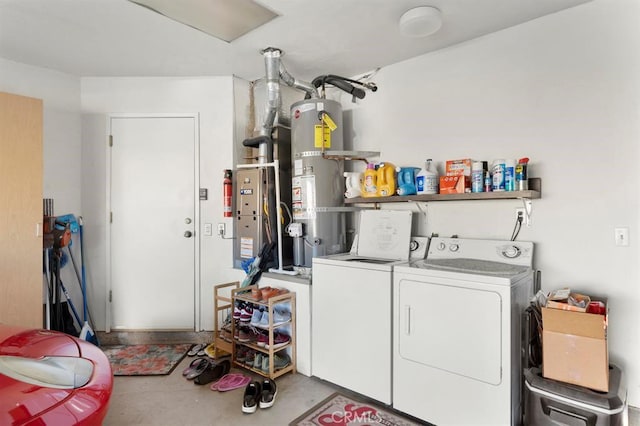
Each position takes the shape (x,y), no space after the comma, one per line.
(200,368)
(192,366)
(230,382)
(212,372)
(196,348)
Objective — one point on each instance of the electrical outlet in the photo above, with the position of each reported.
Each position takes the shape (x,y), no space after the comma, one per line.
(522,213)
(221,229)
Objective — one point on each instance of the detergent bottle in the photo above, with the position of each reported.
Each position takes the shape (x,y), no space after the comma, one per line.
(369,186)
(407,180)
(386,181)
(353,184)
(427,181)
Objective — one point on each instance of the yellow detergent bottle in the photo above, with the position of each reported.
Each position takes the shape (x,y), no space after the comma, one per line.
(369,187)
(386,181)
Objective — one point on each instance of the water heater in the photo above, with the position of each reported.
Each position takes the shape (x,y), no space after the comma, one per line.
(317,196)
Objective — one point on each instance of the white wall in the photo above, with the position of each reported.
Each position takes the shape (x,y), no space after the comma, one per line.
(563,90)
(60,94)
(213,99)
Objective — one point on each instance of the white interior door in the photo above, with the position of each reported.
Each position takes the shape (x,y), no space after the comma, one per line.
(152,232)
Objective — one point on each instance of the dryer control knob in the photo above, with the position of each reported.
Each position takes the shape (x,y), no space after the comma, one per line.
(454,247)
(511,252)
(442,246)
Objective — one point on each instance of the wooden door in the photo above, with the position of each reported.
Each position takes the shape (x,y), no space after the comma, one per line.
(21,284)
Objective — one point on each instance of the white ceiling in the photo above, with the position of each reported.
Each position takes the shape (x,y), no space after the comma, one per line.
(343,37)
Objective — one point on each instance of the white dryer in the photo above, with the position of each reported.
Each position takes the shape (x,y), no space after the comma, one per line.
(457,332)
(351,306)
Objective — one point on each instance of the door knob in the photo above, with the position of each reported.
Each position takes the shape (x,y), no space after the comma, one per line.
(187,220)
(188,234)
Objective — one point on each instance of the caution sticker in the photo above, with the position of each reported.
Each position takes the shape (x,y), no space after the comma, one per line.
(328,121)
(319,140)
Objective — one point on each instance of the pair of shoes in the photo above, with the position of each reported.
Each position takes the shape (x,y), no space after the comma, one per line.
(279,340)
(230,381)
(280,316)
(258,394)
(268,292)
(193,351)
(195,367)
(247,334)
(279,362)
(214,370)
(246,312)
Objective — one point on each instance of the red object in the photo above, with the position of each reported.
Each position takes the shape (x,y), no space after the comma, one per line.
(28,403)
(227,193)
(597,307)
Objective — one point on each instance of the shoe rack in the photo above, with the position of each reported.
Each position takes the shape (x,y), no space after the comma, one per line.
(222,307)
(244,295)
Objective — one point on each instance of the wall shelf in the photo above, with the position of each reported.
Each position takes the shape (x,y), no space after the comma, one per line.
(534,192)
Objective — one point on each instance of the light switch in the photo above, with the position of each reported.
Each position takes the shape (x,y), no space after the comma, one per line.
(622,236)
(208,229)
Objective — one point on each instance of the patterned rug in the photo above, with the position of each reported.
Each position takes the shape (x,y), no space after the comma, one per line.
(145,360)
(343,410)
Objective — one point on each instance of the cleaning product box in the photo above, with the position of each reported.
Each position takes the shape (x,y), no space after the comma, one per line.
(574,347)
(459,168)
(452,184)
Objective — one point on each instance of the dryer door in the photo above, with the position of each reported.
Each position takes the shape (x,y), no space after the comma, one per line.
(451,328)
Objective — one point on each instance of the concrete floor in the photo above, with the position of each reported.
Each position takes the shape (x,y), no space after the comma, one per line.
(173,400)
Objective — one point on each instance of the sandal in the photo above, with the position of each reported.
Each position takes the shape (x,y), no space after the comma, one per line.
(194,364)
(196,348)
(198,369)
(212,371)
(230,382)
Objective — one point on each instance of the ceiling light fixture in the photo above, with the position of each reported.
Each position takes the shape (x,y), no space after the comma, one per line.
(420,21)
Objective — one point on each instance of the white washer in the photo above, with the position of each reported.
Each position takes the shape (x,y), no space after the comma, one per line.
(351,306)
(457,332)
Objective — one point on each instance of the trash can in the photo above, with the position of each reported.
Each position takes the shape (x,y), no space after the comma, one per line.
(550,402)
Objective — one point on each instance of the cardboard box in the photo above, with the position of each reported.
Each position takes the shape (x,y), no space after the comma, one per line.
(575,349)
(458,167)
(452,184)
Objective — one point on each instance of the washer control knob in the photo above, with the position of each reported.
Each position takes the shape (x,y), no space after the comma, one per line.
(454,247)
(511,252)
(442,246)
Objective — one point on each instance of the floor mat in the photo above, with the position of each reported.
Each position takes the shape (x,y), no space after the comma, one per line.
(145,360)
(339,409)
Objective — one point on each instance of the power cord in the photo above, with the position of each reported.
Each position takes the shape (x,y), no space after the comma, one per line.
(517,227)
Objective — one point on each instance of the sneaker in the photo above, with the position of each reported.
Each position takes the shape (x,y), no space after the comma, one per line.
(250,358)
(263,339)
(236,331)
(279,362)
(246,312)
(268,394)
(257,316)
(237,310)
(252,397)
(241,354)
(279,340)
(280,316)
(258,360)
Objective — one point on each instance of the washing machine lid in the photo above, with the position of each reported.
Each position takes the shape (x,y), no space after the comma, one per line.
(384,234)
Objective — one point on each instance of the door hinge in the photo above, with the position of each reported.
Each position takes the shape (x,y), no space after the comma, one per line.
(110,296)
(110,140)
(110,217)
